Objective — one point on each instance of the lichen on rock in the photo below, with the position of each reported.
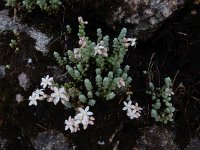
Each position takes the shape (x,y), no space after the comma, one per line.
(145,16)
(50,140)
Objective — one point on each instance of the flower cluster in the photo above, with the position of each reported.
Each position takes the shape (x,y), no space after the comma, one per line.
(84,117)
(95,72)
(59,94)
(133,111)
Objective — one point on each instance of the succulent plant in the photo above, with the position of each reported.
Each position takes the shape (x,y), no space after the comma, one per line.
(162,108)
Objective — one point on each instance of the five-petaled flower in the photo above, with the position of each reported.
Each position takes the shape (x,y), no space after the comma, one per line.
(47,81)
(128,106)
(33,100)
(59,94)
(130,42)
(85,117)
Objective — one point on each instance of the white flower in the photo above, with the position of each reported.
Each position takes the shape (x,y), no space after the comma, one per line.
(85,117)
(80,20)
(133,114)
(77,53)
(169,92)
(47,81)
(133,111)
(101,49)
(137,108)
(121,83)
(82,42)
(59,94)
(90,121)
(32,100)
(130,42)
(128,106)
(70,124)
(38,94)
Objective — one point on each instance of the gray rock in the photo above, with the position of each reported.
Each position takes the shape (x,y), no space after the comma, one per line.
(194,144)
(2,71)
(19,98)
(50,140)
(3,143)
(157,138)
(8,23)
(145,16)
(24,81)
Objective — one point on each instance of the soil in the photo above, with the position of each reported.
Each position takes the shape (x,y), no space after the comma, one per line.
(173,51)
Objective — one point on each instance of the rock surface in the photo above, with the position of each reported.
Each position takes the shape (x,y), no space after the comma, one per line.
(50,140)
(8,23)
(194,144)
(144,16)
(19,98)
(24,81)
(157,138)
(2,71)
(2,143)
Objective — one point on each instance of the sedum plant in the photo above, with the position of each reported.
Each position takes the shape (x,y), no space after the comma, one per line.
(11,3)
(29,5)
(14,42)
(162,108)
(95,67)
(94,73)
